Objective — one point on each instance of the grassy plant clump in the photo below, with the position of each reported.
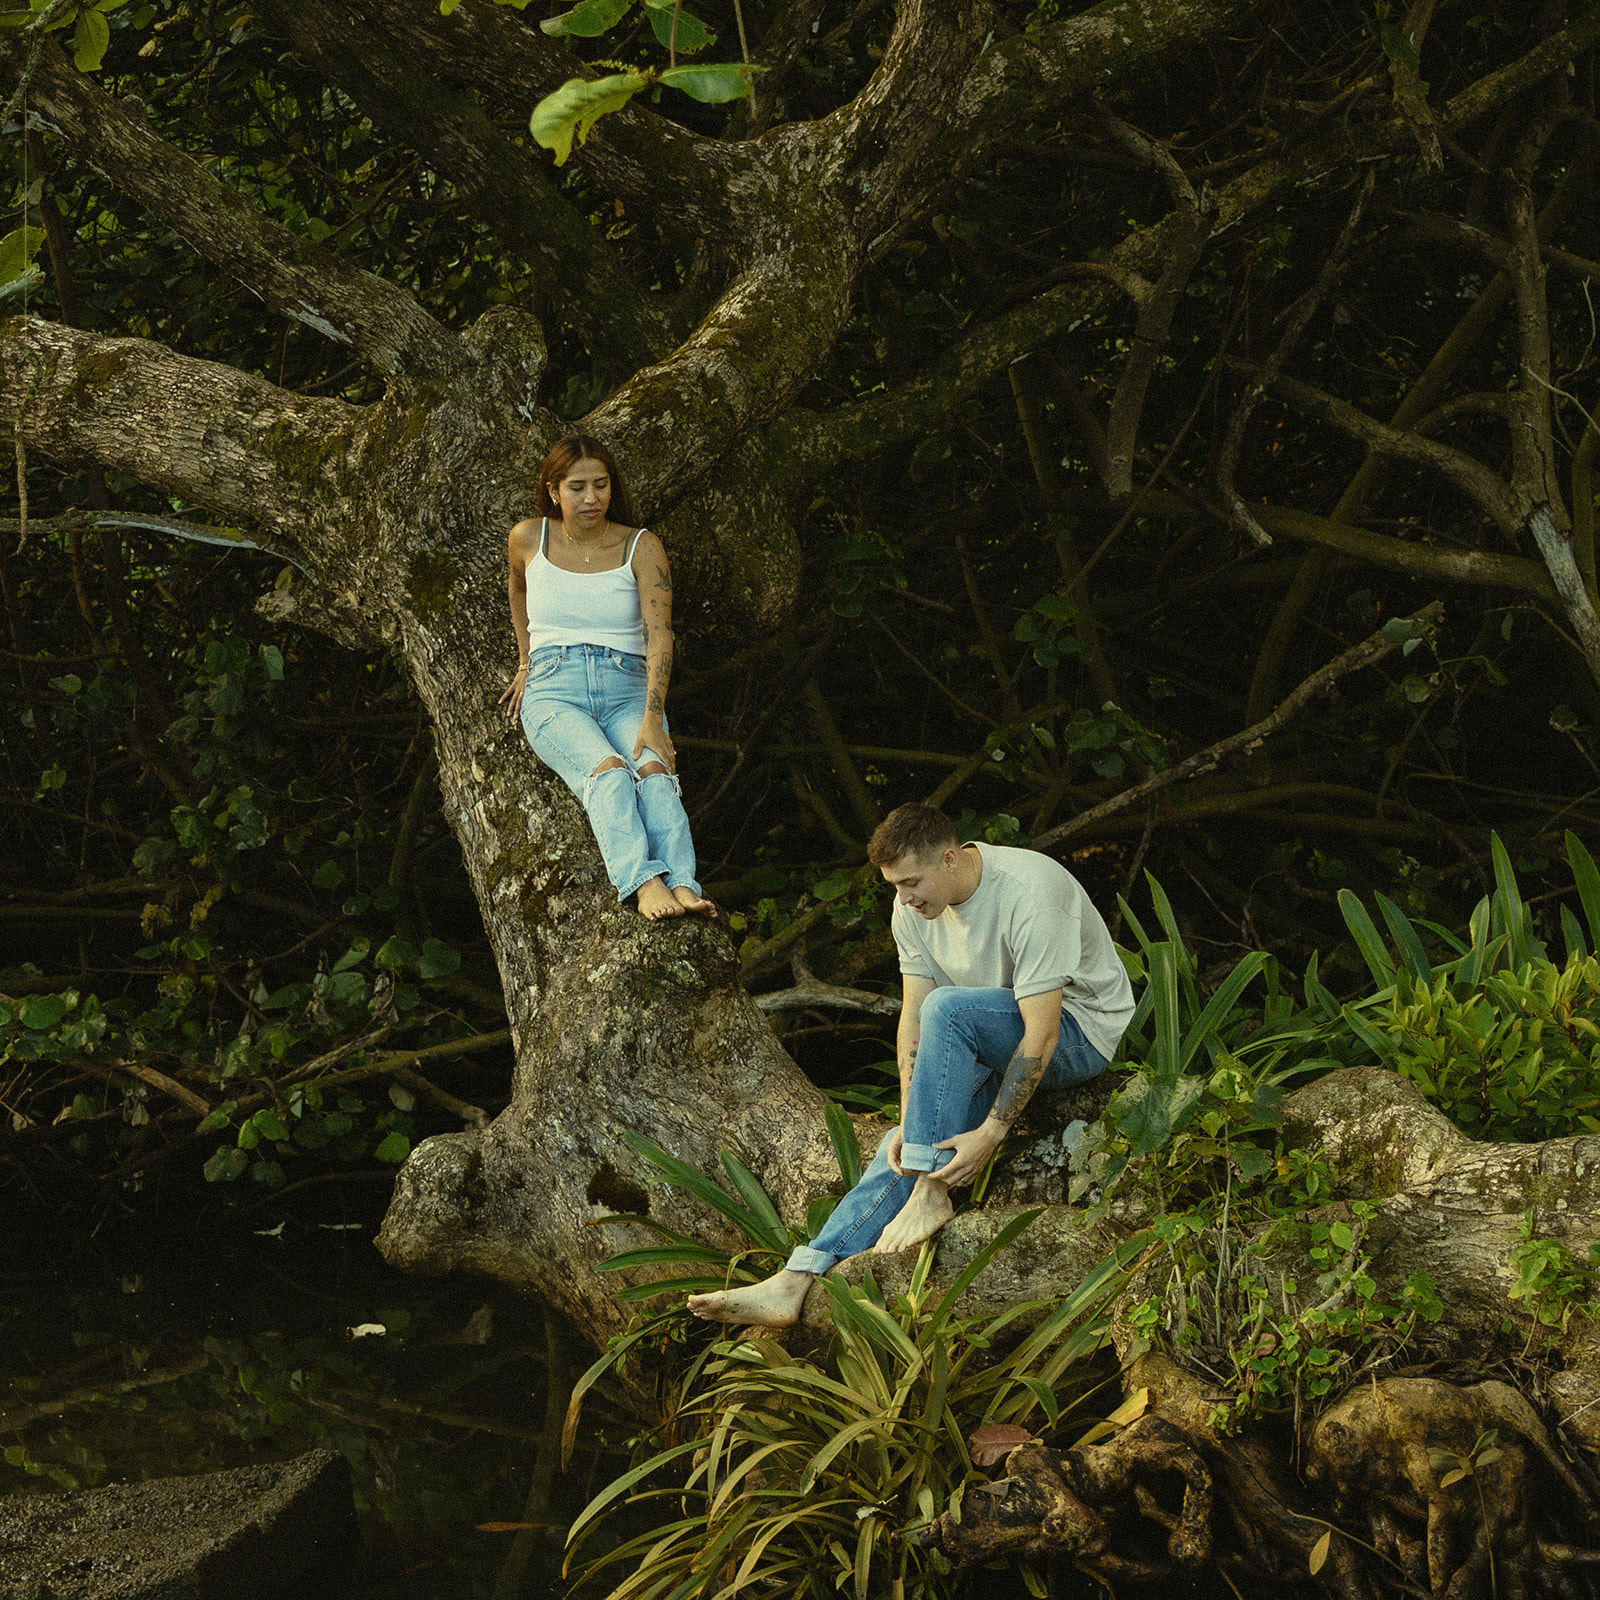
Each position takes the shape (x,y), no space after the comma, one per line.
(1503,1039)
(796,1476)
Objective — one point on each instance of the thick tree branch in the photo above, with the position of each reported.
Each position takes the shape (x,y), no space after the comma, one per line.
(580,277)
(1487,490)
(384,324)
(199,429)
(1434,563)
(1358,656)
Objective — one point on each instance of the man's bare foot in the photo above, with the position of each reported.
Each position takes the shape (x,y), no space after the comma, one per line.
(656,901)
(773,1303)
(922,1216)
(690,901)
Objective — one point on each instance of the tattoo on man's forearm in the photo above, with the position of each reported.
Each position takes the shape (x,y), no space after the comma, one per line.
(1023,1075)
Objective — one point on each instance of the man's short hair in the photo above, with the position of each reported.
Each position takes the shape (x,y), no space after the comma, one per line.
(911,830)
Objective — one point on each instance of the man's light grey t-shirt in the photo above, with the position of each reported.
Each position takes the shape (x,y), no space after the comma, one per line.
(1028,927)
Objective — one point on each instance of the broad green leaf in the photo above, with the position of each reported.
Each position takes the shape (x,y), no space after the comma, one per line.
(1406,940)
(1365,933)
(447,7)
(693,34)
(1518,917)
(1219,1005)
(44,1011)
(663,1255)
(588,19)
(577,105)
(437,960)
(846,1149)
(272,661)
(1587,877)
(712,83)
(1572,933)
(89,41)
(355,955)
(17,250)
(773,1234)
(702,1188)
(395,1147)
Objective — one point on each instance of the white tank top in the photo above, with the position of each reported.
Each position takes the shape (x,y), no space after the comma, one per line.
(583,607)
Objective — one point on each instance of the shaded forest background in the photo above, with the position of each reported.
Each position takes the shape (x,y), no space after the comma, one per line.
(228,831)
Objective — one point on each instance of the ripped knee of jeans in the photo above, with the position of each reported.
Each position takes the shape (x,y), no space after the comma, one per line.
(654,767)
(610,764)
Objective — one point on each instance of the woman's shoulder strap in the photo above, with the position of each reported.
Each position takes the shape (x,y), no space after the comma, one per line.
(544,537)
(633,544)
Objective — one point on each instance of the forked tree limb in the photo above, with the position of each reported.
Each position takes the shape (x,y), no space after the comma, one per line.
(1365,654)
(380,321)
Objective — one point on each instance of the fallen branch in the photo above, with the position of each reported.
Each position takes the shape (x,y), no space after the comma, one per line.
(14,1421)
(1370,650)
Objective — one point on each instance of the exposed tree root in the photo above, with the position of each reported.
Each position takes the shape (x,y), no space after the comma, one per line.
(1401,1495)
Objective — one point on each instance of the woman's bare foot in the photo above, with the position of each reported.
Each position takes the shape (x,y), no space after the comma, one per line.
(773,1303)
(922,1216)
(690,901)
(656,901)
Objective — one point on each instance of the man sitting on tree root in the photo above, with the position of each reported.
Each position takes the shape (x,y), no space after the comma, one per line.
(1008,972)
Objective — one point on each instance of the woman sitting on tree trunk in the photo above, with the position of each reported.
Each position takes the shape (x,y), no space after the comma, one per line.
(591,605)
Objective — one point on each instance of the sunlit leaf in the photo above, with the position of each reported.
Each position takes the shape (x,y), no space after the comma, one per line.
(712,83)
(1319,1552)
(577,105)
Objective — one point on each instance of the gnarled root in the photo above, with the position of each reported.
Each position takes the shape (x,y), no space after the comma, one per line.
(1379,1463)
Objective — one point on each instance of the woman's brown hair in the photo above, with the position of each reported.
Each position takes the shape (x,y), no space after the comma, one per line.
(564,455)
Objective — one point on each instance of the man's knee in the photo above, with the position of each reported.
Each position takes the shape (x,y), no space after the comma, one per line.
(943,1004)
(651,769)
(610,764)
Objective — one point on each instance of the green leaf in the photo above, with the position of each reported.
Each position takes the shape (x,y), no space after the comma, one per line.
(1251,1161)
(1587,877)
(328,876)
(395,953)
(588,19)
(225,1165)
(702,1188)
(693,34)
(834,885)
(17,249)
(89,41)
(711,84)
(43,1011)
(217,1119)
(447,7)
(846,1148)
(395,1147)
(577,105)
(268,1124)
(355,955)
(1365,933)
(272,662)
(773,1234)
(1406,940)
(437,960)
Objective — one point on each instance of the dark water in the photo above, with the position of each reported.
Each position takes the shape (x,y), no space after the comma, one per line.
(241,1321)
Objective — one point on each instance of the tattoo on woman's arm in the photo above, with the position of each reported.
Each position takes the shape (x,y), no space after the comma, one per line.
(1023,1075)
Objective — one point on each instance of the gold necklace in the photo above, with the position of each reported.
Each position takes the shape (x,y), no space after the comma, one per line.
(597,541)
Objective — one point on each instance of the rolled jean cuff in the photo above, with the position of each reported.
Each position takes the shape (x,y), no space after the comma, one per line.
(923,1157)
(804,1259)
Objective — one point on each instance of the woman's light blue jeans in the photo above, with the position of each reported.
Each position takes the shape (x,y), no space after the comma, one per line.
(968,1039)
(582,705)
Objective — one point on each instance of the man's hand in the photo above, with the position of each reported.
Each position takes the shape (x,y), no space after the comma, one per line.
(891,1151)
(972,1152)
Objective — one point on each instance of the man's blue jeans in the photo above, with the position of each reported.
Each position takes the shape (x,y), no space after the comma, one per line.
(967,1041)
